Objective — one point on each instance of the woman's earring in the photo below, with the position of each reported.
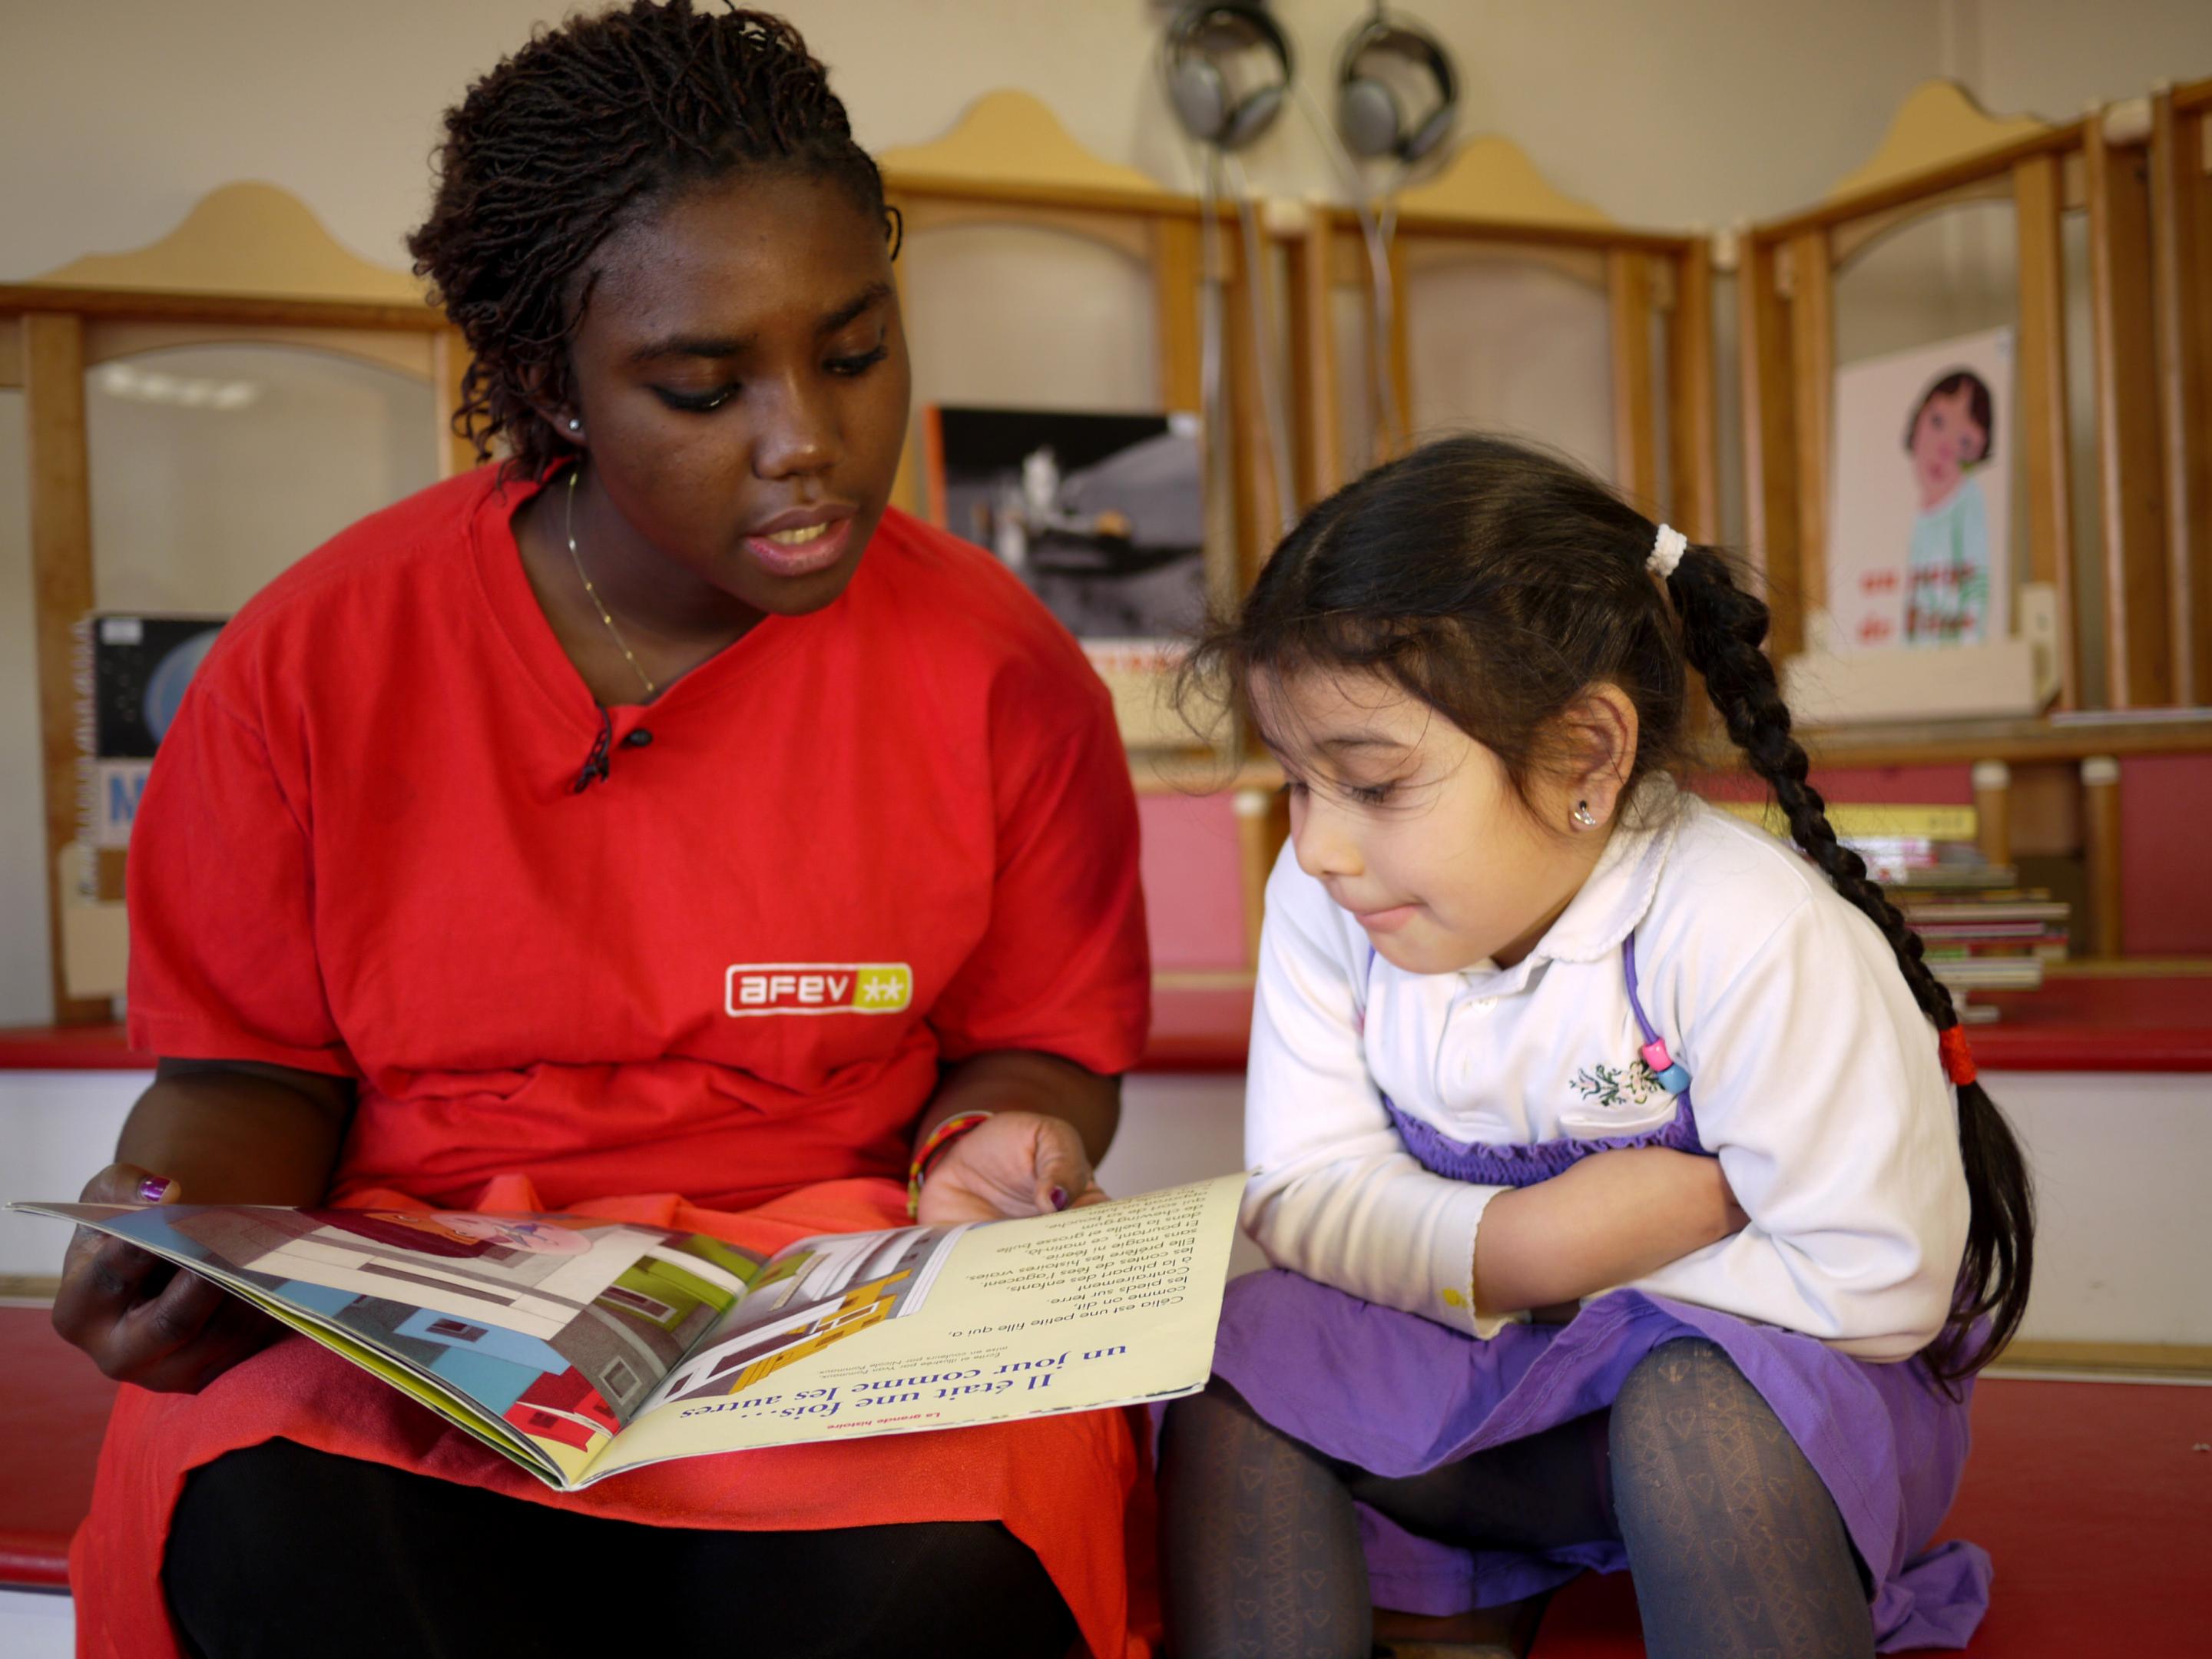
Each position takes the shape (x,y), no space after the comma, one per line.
(1582,818)
(574,425)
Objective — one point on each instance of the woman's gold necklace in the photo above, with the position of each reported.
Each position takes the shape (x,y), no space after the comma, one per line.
(598,603)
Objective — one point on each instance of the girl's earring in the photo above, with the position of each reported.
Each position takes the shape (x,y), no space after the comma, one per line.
(1583,820)
(575,425)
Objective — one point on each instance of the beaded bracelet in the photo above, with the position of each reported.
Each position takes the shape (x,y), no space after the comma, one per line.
(927,1154)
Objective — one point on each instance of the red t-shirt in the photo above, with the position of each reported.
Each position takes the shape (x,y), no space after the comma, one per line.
(855,844)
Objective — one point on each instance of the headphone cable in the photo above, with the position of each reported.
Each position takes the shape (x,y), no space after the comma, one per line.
(1272,409)
(1382,378)
(1213,413)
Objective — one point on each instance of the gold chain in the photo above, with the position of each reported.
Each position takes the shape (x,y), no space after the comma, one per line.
(600,604)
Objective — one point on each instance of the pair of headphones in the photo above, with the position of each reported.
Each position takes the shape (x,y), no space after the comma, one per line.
(1369,115)
(1209,109)
(1372,122)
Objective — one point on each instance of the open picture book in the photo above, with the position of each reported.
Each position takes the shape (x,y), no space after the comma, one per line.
(580,1347)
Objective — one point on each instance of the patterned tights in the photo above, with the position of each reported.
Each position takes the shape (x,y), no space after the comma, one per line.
(1736,1546)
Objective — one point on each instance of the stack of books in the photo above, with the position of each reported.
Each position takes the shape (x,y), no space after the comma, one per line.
(1994,936)
(1982,930)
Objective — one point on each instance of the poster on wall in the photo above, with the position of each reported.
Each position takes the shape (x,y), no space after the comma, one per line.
(132,675)
(1919,516)
(1102,515)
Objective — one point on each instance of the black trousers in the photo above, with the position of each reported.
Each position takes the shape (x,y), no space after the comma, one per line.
(281,1550)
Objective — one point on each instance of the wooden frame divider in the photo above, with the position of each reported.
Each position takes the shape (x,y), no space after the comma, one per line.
(2142,173)
(2180,188)
(2138,643)
(250,264)
(1007,161)
(1942,150)
(1767,393)
(2037,199)
(1491,202)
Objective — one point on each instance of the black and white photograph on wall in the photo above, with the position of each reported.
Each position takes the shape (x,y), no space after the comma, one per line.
(131,671)
(1102,515)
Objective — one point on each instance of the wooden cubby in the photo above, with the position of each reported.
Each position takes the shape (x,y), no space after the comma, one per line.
(2138,172)
(251,265)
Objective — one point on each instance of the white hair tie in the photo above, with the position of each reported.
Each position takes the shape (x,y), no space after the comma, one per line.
(1667,551)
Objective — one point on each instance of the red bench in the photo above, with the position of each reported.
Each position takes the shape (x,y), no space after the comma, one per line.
(53,1408)
(2094,1498)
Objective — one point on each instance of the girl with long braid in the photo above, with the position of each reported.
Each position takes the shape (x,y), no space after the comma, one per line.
(480,872)
(1631,1199)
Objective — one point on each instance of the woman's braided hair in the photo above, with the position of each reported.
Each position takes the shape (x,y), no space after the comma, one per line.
(1497,583)
(567,141)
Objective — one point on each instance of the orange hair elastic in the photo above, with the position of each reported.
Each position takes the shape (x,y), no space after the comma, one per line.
(1958,1058)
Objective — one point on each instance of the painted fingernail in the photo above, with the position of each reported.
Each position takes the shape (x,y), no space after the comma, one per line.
(151,1188)
(1059,1197)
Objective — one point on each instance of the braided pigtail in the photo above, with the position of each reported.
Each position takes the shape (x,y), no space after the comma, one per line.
(1722,629)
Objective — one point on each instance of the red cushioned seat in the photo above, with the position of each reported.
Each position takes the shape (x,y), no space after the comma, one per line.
(53,1408)
(2095,1500)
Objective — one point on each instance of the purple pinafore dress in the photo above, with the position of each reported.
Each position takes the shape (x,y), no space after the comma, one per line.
(1396,1395)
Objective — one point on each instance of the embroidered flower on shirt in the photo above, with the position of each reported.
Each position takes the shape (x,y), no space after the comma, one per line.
(1616,1086)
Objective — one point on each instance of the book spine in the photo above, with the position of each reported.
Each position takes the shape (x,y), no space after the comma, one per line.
(1873,820)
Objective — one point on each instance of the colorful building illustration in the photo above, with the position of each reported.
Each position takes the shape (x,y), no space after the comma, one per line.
(615,1306)
(800,1304)
(564,1409)
(862,1306)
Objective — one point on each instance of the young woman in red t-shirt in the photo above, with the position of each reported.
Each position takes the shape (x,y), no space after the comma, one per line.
(451,880)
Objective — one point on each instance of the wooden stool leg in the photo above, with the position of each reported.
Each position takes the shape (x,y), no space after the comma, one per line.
(1993,809)
(60,499)
(2100,837)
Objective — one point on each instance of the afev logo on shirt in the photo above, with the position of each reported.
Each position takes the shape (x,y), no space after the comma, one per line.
(816,987)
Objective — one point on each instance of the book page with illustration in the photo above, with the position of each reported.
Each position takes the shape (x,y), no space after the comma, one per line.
(578,1346)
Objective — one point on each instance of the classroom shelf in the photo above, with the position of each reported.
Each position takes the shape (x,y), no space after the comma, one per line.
(2015,741)
(2078,1022)
(2159,1021)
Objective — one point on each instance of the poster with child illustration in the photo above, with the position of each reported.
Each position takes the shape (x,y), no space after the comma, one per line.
(1919,518)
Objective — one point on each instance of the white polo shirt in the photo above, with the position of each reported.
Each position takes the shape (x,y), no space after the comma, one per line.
(1815,1078)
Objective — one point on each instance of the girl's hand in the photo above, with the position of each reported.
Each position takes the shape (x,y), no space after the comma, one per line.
(142,1320)
(1014,1164)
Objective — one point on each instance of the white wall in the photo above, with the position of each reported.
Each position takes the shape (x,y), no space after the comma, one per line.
(2057,57)
(119,115)
(116,116)
(37,1626)
(2118,1162)
(58,1129)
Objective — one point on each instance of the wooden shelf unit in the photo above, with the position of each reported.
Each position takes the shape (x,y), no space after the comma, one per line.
(249,265)
(2139,172)
(1008,161)
(1490,203)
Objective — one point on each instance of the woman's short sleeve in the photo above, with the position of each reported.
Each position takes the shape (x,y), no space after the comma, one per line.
(221,888)
(1063,967)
